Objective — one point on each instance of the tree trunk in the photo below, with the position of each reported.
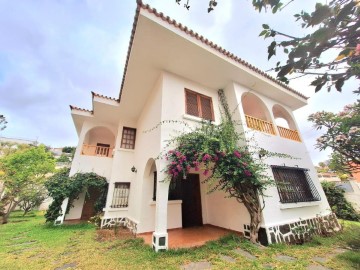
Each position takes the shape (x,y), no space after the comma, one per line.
(252,204)
(5,216)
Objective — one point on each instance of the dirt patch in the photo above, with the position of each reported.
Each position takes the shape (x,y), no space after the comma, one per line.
(112,234)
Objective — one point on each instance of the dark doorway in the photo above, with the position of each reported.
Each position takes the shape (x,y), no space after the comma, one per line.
(88,210)
(191,201)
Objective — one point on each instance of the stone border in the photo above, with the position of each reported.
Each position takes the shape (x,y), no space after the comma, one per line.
(298,231)
(120,221)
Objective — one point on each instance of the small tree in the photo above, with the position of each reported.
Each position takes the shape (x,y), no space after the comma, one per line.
(338,203)
(31,197)
(20,171)
(63,158)
(342,134)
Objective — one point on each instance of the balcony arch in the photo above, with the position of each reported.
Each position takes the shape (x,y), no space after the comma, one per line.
(257,114)
(285,123)
(98,141)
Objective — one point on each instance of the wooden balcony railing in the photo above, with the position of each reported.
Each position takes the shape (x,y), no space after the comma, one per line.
(93,150)
(259,124)
(289,134)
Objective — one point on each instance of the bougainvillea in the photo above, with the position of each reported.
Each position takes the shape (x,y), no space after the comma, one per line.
(216,151)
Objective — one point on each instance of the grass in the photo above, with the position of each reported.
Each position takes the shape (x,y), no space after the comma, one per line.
(27,243)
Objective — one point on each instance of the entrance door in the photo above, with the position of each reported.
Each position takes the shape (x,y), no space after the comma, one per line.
(88,210)
(191,201)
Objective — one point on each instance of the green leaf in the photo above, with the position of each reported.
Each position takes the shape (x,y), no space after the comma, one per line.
(263,32)
(265,26)
(285,70)
(271,49)
(321,13)
(339,83)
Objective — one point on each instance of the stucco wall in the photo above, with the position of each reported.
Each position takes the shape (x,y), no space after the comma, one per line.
(276,212)
(147,148)
(76,210)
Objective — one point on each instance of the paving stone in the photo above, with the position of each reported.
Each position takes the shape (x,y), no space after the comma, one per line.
(196,266)
(319,259)
(227,258)
(18,237)
(65,266)
(23,243)
(339,250)
(317,267)
(284,258)
(245,254)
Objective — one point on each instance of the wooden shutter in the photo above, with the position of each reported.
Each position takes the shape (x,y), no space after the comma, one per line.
(192,106)
(206,108)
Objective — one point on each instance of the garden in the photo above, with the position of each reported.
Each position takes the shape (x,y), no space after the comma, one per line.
(27,242)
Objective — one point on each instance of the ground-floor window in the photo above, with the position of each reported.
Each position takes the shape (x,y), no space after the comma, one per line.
(294,185)
(121,195)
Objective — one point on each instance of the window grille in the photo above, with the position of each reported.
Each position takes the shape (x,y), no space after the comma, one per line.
(128,138)
(199,105)
(294,185)
(121,195)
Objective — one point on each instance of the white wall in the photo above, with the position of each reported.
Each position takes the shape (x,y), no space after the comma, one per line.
(276,212)
(147,148)
(99,165)
(75,212)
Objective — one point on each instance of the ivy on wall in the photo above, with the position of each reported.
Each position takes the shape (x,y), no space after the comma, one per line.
(60,186)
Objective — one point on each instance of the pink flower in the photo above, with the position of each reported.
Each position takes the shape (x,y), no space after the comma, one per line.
(206,157)
(357,50)
(237,154)
(196,168)
(206,172)
(178,167)
(247,173)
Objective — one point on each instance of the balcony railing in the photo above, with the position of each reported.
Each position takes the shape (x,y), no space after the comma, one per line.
(99,151)
(289,134)
(259,124)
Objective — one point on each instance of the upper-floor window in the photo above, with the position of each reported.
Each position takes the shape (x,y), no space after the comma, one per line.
(128,138)
(294,185)
(199,105)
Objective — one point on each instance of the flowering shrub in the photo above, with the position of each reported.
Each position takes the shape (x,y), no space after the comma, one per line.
(215,151)
(342,133)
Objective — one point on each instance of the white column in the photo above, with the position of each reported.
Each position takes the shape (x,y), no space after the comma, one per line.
(160,236)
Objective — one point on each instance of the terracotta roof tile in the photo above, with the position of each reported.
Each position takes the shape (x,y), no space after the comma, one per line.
(102,96)
(80,109)
(209,43)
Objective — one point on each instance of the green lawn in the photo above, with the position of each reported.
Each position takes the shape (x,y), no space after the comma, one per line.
(27,243)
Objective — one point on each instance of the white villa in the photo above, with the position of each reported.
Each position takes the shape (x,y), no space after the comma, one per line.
(173,73)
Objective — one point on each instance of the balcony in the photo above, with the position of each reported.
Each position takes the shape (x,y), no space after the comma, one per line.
(259,124)
(95,150)
(289,133)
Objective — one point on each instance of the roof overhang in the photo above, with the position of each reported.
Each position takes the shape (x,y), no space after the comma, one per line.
(105,110)
(159,44)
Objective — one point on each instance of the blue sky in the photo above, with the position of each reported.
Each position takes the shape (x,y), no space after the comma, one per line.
(53,53)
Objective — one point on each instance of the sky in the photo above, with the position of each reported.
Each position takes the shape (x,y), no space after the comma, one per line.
(54,53)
